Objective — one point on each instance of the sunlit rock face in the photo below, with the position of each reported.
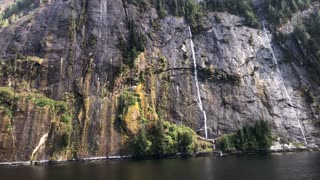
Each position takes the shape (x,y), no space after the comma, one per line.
(64,62)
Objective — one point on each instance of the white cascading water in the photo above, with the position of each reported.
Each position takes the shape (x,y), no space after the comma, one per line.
(103,26)
(197,84)
(178,92)
(61,67)
(43,139)
(61,77)
(285,88)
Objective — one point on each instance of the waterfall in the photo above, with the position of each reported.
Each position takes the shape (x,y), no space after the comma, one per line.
(61,79)
(43,139)
(61,67)
(103,27)
(197,83)
(285,88)
(178,92)
(103,33)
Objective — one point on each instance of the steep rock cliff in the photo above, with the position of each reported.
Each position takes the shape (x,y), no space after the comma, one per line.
(63,71)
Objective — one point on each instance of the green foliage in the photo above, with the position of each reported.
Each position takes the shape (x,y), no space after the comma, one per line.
(66,118)
(219,75)
(127,99)
(310,98)
(16,7)
(11,11)
(162,142)
(141,4)
(134,46)
(315,23)
(6,95)
(239,7)
(218,18)
(170,139)
(314,35)
(226,142)
(42,101)
(185,140)
(8,100)
(4,22)
(193,13)
(155,24)
(139,145)
(309,35)
(163,139)
(189,9)
(279,11)
(248,138)
(64,140)
(59,107)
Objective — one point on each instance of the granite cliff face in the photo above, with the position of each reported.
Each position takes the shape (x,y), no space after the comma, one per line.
(62,73)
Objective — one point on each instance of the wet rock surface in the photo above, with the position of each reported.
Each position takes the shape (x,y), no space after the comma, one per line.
(70,51)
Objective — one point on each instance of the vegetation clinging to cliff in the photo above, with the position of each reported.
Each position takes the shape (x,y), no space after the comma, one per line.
(133,46)
(163,139)
(147,135)
(9,14)
(9,99)
(240,7)
(279,11)
(248,138)
(309,35)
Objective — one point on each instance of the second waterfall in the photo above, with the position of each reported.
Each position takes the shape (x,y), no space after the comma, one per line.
(197,84)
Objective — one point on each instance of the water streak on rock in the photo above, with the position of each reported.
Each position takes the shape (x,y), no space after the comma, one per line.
(197,84)
(285,88)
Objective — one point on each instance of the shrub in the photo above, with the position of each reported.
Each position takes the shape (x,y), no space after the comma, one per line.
(308,34)
(280,11)
(163,139)
(185,140)
(162,142)
(226,142)
(248,138)
(140,145)
(171,139)
(127,99)
(239,7)
(189,9)
(66,118)
(141,4)
(133,47)
(64,140)
(6,95)
(15,8)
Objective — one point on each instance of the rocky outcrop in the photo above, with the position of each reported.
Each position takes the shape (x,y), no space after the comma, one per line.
(71,52)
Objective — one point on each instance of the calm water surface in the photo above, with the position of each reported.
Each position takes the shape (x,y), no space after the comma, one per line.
(304,165)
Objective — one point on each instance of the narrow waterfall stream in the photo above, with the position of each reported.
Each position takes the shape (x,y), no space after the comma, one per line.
(103,29)
(43,139)
(61,78)
(197,83)
(285,88)
(61,67)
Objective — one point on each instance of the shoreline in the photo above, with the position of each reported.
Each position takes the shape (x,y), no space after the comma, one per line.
(216,153)
(296,150)
(62,162)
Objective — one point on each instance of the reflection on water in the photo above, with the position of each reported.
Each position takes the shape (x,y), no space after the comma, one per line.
(305,165)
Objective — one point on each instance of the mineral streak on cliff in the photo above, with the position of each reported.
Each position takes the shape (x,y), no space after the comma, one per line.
(74,59)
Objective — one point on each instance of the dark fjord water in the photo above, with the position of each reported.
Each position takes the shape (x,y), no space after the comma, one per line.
(304,165)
